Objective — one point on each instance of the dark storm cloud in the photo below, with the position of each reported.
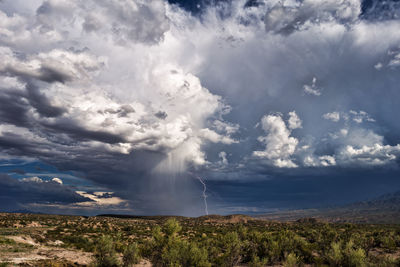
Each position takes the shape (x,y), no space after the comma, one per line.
(45,74)
(13,108)
(41,103)
(303,191)
(49,74)
(14,193)
(123,111)
(161,115)
(380,10)
(253,3)
(18,171)
(15,105)
(132,178)
(80,133)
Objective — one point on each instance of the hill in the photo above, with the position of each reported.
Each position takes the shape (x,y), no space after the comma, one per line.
(384,209)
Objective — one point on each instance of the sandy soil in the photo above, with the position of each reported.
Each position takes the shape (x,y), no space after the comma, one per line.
(144,263)
(42,252)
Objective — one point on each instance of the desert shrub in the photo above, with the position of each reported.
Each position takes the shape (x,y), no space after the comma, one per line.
(105,254)
(357,258)
(231,249)
(119,244)
(172,253)
(257,262)
(6,241)
(263,246)
(335,255)
(168,249)
(386,261)
(79,242)
(131,255)
(291,242)
(196,256)
(51,263)
(354,257)
(388,242)
(172,227)
(291,260)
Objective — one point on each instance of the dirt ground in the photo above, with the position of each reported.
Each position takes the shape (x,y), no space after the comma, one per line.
(17,254)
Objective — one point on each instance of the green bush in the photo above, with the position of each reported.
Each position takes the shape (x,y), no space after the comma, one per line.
(196,256)
(388,242)
(257,262)
(354,257)
(335,255)
(168,249)
(291,260)
(105,254)
(131,255)
(231,247)
(357,258)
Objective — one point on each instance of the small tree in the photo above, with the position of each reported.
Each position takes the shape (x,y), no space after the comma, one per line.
(196,256)
(232,247)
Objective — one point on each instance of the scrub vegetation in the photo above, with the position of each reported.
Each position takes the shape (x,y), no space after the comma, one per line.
(234,240)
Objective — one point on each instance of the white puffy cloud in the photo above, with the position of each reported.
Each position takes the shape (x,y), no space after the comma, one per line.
(288,16)
(360,147)
(378,66)
(333,116)
(215,137)
(99,199)
(33,179)
(57,180)
(222,155)
(353,146)
(225,127)
(356,116)
(395,61)
(376,154)
(294,121)
(312,89)
(321,161)
(280,146)
(360,116)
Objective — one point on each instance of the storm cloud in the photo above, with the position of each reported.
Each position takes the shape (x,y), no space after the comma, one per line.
(139,97)
(16,194)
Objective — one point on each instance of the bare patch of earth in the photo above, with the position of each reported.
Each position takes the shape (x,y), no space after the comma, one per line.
(11,253)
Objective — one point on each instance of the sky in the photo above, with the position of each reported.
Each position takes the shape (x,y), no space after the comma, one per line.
(160,107)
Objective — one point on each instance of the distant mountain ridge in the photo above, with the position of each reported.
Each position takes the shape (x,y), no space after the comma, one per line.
(383,209)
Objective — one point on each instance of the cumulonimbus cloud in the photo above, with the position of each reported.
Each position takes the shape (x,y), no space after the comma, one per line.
(131,93)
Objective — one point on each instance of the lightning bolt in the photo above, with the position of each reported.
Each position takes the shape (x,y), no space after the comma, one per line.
(204,195)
